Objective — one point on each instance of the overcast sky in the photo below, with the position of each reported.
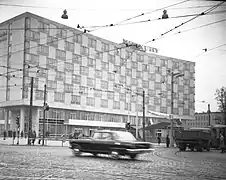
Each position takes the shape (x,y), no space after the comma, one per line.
(210,66)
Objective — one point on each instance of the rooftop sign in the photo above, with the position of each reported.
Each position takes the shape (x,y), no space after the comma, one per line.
(140,47)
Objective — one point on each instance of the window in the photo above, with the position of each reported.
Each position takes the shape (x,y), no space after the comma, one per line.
(77,59)
(134,81)
(98,74)
(44,27)
(116,105)
(105,66)
(27,23)
(84,51)
(140,58)
(110,95)
(122,79)
(32,35)
(145,84)
(99,55)
(111,76)
(144,67)
(42,72)
(104,103)
(91,62)
(105,47)
(60,54)
(69,46)
(75,99)
(90,82)
(60,76)
(76,79)
(104,85)
(128,106)
(59,97)
(51,63)
(68,67)
(78,38)
(90,101)
(84,70)
(27,47)
(39,95)
(111,58)
(68,88)
(98,93)
(92,43)
(122,97)
(32,59)
(44,50)
(128,72)
(139,74)
(134,65)
(51,84)
(52,41)
(61,33)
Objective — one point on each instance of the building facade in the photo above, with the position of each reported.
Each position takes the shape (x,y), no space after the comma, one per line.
(91,82)
(202,119)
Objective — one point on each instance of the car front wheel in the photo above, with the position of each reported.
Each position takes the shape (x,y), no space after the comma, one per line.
(114,155)
(133,156)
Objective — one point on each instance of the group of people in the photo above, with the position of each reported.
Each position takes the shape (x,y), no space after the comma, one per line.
(167,140)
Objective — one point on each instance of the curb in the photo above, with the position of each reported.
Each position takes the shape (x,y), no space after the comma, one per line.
(33,146)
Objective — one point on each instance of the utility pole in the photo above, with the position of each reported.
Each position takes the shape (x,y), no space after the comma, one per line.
(209,113)
(176,75)
(44,115)
(143,115)
(171,113)
(30,112)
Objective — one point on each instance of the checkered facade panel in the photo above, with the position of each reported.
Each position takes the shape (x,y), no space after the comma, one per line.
(90,71)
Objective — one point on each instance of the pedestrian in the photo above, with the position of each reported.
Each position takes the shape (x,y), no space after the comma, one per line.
(14,135)
(167,141)
(39,136)
(30,135)
(22,134)
(34,137)
(159,140)
(4,134)
(222,144)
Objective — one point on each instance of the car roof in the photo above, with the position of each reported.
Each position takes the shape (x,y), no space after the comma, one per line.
(109,131)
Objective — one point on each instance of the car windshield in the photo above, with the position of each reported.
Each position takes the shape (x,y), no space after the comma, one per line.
(124,136)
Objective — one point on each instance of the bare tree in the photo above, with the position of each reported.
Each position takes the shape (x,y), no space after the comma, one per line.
(220,96)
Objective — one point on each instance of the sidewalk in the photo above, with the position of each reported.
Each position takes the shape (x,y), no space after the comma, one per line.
(23,142)
(53,143)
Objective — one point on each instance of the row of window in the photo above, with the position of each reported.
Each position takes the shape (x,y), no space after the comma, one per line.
(77,37)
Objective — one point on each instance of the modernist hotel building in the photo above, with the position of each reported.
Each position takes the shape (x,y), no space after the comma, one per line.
(91,82)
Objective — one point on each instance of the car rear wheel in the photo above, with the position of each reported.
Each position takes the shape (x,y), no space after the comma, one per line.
(133,156)
(76,151)
(114,155)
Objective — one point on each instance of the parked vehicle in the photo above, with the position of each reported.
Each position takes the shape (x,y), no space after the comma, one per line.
(113,143)
(194,139)
(216,130)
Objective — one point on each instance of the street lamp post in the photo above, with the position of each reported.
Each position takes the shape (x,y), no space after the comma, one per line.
(176,75)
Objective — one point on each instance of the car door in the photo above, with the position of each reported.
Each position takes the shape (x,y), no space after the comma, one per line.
(106,142)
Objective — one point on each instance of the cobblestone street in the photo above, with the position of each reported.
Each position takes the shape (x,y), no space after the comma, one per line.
(33,162)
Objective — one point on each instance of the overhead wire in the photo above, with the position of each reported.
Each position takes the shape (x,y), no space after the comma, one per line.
(189,20)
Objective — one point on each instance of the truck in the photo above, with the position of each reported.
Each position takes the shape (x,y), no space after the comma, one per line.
(198,139)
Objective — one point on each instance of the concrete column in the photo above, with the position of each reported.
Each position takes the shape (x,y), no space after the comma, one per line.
(35,120)
(22,115)
(13,120)
(6,120)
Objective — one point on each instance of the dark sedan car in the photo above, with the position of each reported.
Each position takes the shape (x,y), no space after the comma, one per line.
(114,143)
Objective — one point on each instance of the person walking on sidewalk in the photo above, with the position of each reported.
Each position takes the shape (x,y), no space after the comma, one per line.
(167,141)
(4,134)
(22,134)
(159,140)
(222,144)
(33,137)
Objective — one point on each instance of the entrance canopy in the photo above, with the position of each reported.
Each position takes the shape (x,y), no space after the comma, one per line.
(161,125)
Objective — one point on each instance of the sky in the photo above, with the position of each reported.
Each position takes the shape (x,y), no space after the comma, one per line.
(187,45)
